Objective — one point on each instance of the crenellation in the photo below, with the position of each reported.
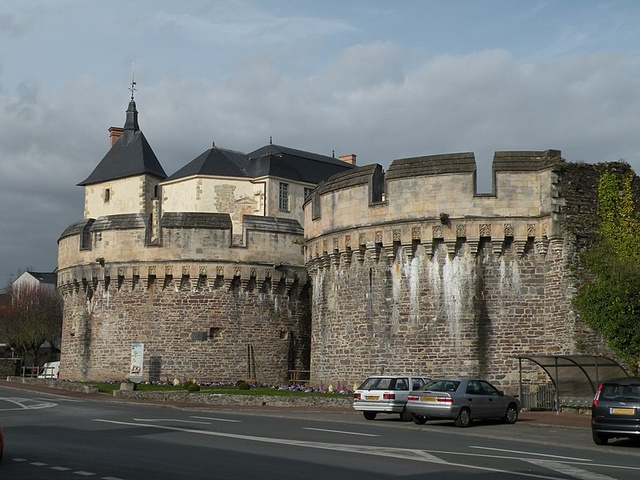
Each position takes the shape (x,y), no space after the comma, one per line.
(458,287)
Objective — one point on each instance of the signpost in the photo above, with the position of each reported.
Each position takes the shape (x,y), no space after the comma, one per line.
(137,361)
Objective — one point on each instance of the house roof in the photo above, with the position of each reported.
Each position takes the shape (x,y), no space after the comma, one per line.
(130,156)
(215,162)
(45,277)
(270,160)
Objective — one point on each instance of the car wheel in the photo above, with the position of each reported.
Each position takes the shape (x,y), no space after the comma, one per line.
(406,415)
(511,416)
(419,419)
(599,439)
(369,415)
(464,418)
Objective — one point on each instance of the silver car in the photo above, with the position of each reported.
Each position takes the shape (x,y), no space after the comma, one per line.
(461,400)
(386,394)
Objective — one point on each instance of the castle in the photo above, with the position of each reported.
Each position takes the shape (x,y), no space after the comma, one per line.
(201,271)
(250,266)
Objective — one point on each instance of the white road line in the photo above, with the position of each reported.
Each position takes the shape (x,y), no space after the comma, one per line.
(85,474)
(215,419)
(340,431)
(169,420)
(111,478)
(411,454)
(569,470)
(22,403)
(61,469)
(39,464)
(502,450)
(19,459)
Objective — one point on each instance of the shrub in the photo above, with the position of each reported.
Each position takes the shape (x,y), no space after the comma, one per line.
(243,386)
(193,387)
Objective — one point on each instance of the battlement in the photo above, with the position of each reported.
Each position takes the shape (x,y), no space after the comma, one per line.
(434,198)
(192,250)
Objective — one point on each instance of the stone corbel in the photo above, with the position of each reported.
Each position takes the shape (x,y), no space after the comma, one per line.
(450,244)
(473,246)
(520,244)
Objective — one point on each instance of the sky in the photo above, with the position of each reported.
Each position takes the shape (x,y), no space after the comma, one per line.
(381,79)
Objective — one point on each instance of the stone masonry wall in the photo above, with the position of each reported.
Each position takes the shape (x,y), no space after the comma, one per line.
(462,295)
(205,332)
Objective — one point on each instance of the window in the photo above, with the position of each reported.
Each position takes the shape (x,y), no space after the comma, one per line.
(283,199)
(307,192)
(107,195)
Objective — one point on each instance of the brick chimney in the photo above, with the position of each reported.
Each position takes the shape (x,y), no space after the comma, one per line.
(349,158)
(114,134)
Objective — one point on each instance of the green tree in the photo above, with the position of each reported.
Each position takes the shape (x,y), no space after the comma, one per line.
(610,302)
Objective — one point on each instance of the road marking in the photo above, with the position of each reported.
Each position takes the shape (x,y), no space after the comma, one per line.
(169,420)
(403,453)
(23,404)
(61,469)
(531,453)
(215,419)
(340,431)
(39,464)
(19,459)
(569,470)
(84,474)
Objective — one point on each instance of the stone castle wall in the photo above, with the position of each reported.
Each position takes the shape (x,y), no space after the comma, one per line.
(203,307)
(412,272)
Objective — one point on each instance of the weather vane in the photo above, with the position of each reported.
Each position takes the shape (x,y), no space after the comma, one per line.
(133,81)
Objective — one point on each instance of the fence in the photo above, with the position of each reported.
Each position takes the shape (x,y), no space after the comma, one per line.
(299,377)
(538,397)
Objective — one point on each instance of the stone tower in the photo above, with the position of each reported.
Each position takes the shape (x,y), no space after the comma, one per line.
(195,275)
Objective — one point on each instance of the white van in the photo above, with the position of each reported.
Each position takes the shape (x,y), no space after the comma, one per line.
(50,370)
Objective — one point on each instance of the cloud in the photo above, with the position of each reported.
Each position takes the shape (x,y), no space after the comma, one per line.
(310,81)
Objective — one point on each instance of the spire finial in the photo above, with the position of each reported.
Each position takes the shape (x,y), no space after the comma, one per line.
(133,80)
(270,140)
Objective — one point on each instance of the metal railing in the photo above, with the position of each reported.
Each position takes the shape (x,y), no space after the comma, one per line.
(539,397)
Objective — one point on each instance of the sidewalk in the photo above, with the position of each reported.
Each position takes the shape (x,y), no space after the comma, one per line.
(562,419)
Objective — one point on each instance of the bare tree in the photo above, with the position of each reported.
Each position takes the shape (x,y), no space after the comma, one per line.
(31,317)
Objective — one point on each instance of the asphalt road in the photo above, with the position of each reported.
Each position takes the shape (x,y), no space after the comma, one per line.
(70,437)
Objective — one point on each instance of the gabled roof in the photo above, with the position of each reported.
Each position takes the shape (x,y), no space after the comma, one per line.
(270,160)
(45,277)
(130,156)
(215,162)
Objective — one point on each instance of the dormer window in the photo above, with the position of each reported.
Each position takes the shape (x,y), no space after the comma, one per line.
(107,195)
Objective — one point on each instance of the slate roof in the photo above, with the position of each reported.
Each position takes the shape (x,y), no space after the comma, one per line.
(215,162)
(270,160)
(130,156)
(45,277)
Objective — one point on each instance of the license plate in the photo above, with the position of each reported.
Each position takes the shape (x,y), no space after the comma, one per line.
(428,399)
(373,398)
(622,411)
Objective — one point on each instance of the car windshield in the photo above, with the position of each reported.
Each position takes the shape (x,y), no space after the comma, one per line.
(618,392)
(386,383)
(377,383)
(442,386)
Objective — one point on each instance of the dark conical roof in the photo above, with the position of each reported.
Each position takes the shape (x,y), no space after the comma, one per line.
(130,156)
